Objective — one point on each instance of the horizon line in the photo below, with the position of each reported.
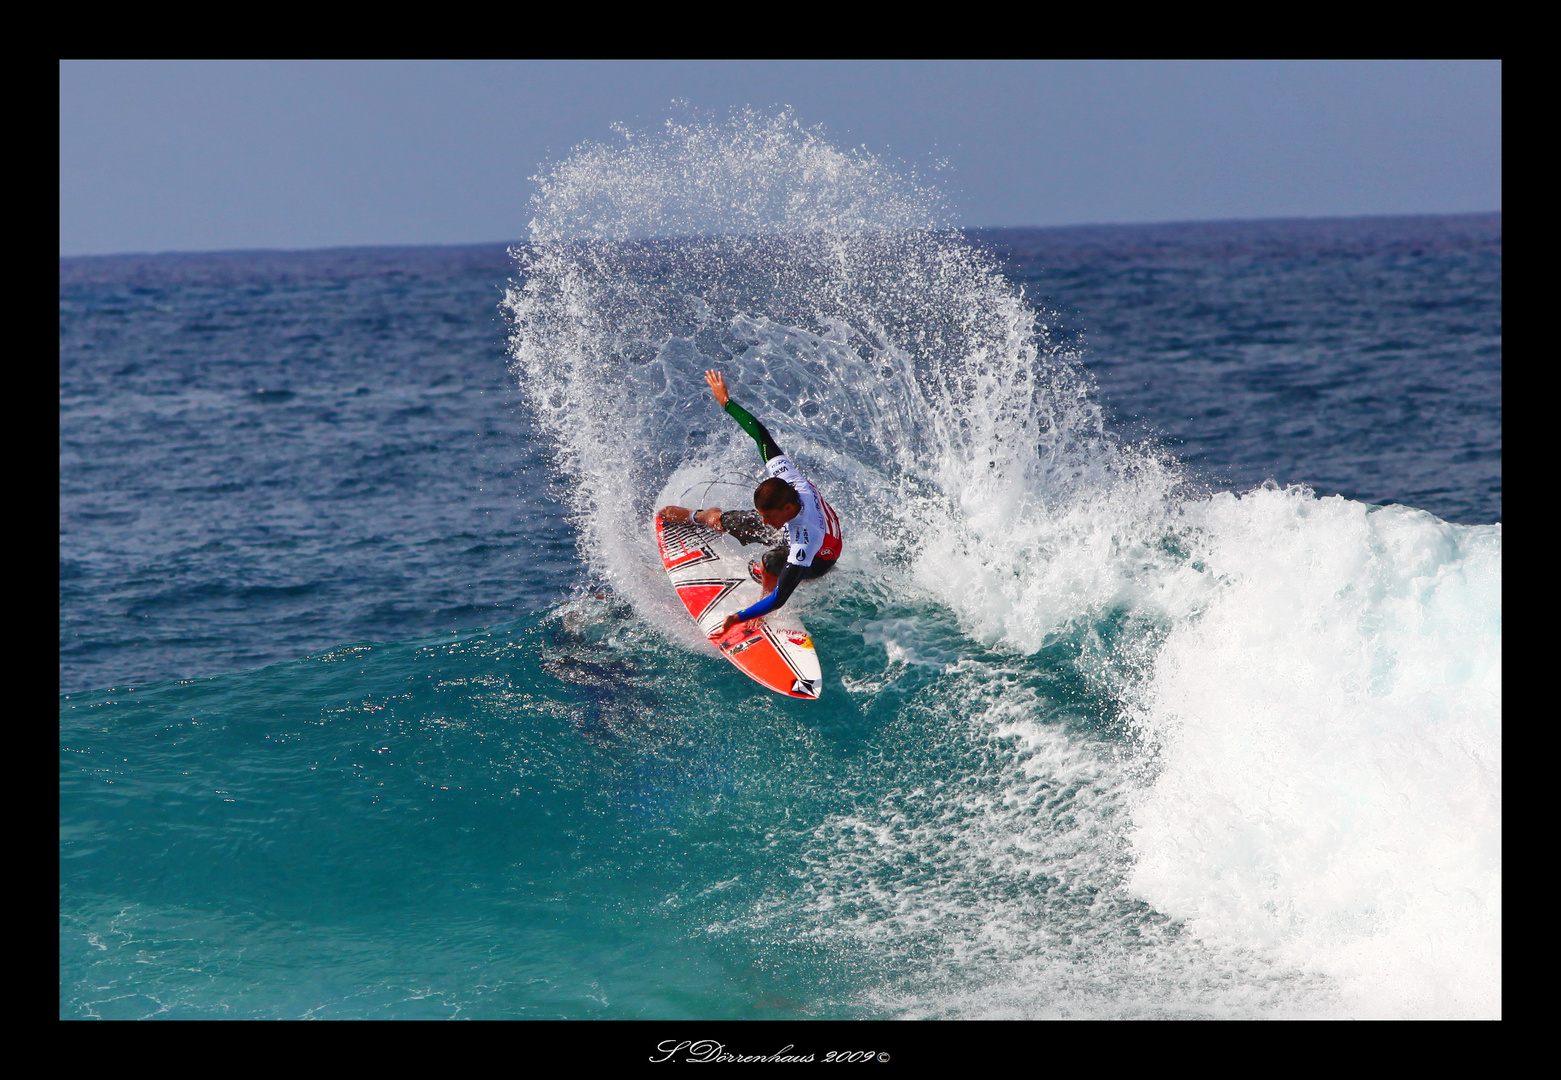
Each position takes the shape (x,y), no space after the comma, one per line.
(958,228)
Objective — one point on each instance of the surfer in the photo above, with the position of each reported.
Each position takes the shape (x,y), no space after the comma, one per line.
(787,502)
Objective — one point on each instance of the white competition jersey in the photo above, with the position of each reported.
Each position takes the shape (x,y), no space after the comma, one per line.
(815,532)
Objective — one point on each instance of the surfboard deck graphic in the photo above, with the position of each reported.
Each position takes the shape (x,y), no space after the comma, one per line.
(710,574)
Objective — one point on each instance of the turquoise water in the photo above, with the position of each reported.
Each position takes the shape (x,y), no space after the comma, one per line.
(540,820)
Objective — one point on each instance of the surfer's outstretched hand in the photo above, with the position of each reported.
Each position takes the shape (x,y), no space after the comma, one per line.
(710,518)
(731,621)
(717,383)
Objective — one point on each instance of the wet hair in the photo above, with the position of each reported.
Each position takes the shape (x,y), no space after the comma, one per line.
(775,493)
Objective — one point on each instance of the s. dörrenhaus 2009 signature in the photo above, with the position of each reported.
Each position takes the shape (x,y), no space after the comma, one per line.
(713,1052)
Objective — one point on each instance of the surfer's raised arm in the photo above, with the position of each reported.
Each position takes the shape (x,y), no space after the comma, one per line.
(748,531)
(744,418)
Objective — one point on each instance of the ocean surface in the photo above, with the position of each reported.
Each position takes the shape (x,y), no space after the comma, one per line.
(1162,670)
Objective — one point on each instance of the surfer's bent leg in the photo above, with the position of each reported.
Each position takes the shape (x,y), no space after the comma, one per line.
(788,579)
(775,562)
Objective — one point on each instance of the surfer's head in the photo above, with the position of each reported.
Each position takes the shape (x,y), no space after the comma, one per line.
(776,501)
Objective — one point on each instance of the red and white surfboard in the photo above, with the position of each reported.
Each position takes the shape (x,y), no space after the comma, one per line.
(711,576)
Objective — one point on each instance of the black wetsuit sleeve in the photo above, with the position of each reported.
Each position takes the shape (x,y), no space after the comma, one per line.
(790,578)
(748,527)
(761,434)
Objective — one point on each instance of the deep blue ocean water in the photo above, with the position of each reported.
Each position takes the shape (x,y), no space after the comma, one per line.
(360,717)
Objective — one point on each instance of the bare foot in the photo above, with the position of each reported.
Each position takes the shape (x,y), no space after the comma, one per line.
(674,513)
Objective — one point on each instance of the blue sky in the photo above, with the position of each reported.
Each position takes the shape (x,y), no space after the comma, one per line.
(212,155)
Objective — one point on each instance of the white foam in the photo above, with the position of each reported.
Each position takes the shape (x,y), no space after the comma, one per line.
(1329,766)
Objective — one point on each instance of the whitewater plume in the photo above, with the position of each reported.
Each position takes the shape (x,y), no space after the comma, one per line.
(902,368)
